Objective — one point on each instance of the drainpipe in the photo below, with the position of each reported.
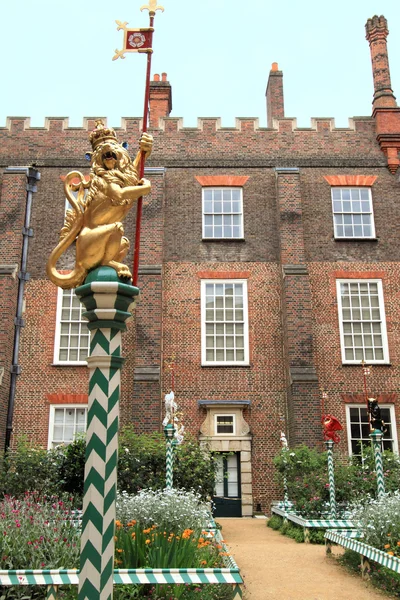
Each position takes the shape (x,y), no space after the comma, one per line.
(32,176)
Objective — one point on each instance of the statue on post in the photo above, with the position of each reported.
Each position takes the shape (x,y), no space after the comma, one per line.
(375,418)
(99,206)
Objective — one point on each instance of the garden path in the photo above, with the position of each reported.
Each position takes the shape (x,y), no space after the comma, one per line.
(276,567)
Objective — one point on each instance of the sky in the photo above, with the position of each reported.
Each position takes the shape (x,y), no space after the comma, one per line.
(57,58)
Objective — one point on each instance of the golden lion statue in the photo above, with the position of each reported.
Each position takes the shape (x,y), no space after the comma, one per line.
(95,220)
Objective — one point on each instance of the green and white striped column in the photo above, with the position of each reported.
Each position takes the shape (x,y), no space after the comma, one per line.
(169,431)
(285,450)
(331,477)
(108,304)
(376,439)
(52,592)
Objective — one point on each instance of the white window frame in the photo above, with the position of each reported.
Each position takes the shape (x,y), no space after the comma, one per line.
(391,409)
(209,363)
(56,359)
(226,214)
(382,322)
(53,408)
(352,213)
(225,415)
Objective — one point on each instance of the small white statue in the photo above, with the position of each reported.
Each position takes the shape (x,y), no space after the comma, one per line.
(172,417)
(170,408)
(283,440)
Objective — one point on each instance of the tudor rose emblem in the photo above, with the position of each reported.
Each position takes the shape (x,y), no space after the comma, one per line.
(136,40)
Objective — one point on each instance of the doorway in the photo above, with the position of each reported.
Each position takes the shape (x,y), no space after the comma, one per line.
(227,496)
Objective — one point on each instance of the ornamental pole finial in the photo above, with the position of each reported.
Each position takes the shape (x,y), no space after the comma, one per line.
(152,7)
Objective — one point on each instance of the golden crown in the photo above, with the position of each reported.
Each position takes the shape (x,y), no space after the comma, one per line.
(101,134)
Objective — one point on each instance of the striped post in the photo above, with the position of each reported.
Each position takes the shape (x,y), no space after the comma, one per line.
(376,439)
(285,485)
(331,477)
(52,592)
(169,431)
(108,303)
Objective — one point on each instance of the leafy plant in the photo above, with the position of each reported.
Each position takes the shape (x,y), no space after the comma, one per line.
(381,577)
(275,522)
(170,509)
(141,465)
(38,534)
(306,475)
(379,520)
(28,467)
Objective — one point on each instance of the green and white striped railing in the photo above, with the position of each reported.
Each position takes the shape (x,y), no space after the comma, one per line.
(321,523)
(54,578)
(371,553)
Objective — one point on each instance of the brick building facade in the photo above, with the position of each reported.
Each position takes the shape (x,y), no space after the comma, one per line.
(269,269)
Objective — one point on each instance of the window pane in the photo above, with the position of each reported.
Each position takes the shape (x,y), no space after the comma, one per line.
(351,207)
(219,208)
(226,321)
(74,335)
(357,340)
(67,423)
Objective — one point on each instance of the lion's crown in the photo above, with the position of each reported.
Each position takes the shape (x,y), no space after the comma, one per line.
(101,134)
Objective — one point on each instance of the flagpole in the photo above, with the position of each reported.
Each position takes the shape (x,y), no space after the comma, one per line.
(152,8)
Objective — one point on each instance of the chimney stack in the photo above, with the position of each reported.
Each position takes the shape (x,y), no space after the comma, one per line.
(274,95)
(160,99)
(385,110)
(376,34)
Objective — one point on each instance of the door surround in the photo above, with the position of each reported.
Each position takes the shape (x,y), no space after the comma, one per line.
(238,441)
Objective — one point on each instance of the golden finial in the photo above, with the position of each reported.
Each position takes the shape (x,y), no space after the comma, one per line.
(152,7)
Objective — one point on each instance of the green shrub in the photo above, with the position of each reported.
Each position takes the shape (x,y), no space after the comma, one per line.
(141,464)
(275,522)
(381,577)
(28,467)
(306,474)
(317,536)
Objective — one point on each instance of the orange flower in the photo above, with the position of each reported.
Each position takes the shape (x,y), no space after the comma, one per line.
(133,535)
(391,553)
(187,533)
(386,546)
(118,524)
(147,530)
(115,538)
(147,542)
(398,543)
(132,523)
(119,550)
(203,562)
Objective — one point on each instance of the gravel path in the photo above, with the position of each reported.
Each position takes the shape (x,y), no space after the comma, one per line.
(276,567)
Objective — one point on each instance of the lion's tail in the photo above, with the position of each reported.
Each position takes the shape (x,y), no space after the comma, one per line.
(71,229)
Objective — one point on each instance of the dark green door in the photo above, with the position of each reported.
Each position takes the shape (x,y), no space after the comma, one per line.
(227,498)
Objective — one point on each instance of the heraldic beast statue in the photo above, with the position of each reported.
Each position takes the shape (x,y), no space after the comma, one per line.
(95,220)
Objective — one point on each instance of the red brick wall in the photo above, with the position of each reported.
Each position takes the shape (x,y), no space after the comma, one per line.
(289,256)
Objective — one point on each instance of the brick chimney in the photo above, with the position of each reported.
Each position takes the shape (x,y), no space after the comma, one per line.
(160,99)
(385,110)
(274,95)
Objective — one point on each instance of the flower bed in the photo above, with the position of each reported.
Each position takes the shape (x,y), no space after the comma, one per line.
(153,554)
(379,556)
